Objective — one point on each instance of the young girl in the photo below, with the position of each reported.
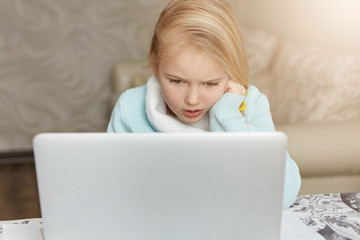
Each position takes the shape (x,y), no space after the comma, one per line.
(199,82)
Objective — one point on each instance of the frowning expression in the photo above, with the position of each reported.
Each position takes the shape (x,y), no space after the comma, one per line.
(191,80)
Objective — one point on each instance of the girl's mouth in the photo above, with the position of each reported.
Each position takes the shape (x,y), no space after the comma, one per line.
(192,113)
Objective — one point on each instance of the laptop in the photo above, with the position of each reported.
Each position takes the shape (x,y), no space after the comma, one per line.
(160,186)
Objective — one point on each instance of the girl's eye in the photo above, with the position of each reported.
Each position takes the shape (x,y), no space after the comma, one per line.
(211,84)
(176,81)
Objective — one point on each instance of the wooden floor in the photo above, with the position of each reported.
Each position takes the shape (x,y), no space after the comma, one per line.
(18,192)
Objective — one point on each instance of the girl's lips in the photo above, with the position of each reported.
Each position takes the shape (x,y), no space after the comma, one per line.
(192,113)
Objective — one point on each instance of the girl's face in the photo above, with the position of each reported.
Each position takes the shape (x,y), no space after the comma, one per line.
(191,81)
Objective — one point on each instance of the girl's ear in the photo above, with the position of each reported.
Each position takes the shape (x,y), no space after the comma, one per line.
(154,65)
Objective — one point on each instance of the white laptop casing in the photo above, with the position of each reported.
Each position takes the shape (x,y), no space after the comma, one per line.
(160,186)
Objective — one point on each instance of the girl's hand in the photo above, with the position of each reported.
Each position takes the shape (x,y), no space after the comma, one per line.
(237,88)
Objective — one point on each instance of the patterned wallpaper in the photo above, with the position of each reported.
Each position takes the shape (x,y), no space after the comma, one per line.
(56,59)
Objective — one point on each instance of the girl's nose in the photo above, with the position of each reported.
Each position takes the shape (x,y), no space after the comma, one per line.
(193,96)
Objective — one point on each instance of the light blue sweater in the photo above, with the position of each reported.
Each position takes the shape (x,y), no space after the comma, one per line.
(129,115)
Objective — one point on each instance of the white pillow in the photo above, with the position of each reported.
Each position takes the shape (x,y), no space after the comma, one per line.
(316,85)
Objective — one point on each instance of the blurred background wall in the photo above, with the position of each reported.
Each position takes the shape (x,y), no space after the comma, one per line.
(56,60)
(332,23)
(56,57)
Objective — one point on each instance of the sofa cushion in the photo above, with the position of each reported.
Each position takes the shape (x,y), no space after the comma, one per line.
(264,82)
(324,149)
(315,85)
(261,47)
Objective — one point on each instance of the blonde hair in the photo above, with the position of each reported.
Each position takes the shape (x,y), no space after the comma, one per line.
(210,25)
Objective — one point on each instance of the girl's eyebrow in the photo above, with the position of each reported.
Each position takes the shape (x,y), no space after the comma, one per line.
(214,80)
(167,75)
(181,78)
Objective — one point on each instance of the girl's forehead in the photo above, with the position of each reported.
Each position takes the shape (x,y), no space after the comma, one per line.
(178,52)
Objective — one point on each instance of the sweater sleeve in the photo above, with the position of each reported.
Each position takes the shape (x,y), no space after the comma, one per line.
(225,116)
(292,182)
(117,121)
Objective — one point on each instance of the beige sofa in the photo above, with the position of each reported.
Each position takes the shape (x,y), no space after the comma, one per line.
(328,155)
(320,115)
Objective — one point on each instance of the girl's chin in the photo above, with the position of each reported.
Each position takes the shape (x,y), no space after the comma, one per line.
(192,121)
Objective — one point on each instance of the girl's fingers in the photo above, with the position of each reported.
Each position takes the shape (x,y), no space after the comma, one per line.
(237,88)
